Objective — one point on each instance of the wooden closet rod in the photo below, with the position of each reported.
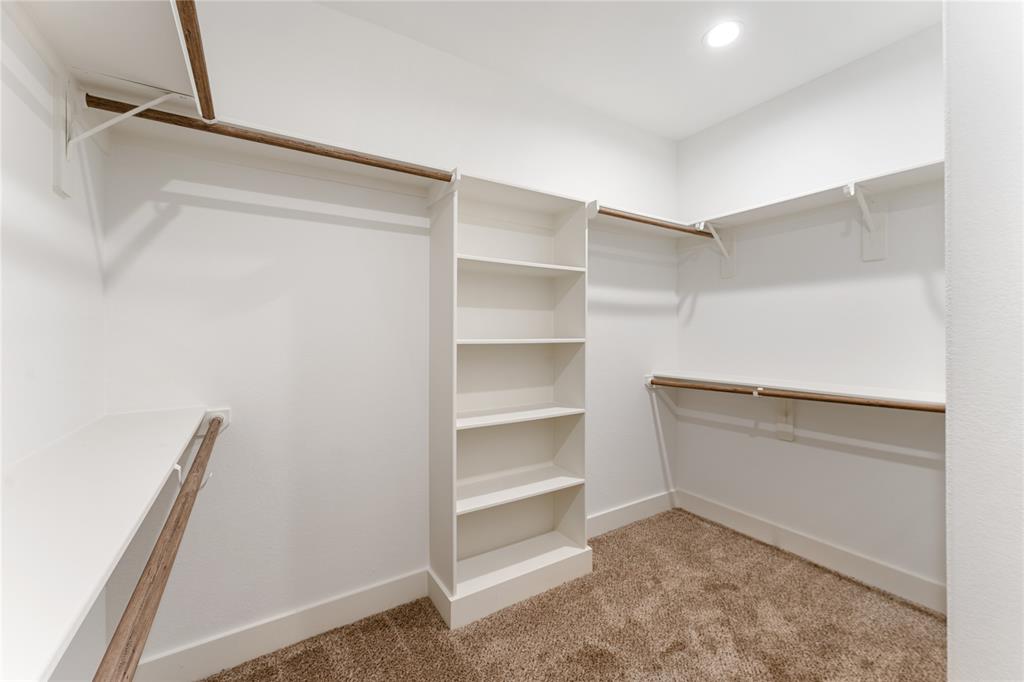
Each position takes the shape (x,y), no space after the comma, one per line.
(799,395)
(272,139)
(656,222)
(125,649)
(193,39)
(340,153)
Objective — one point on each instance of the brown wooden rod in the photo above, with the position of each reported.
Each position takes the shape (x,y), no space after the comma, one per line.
(648,220)
(800,395)
(701,385)
(197,58)
(125,649)
(272,139)
(852,400)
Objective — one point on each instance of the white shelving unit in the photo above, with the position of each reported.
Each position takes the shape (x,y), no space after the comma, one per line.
(507,430)
(70,511)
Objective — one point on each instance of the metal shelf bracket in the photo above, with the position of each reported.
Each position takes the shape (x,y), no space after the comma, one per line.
(726,248)
(71,141)
(873,237)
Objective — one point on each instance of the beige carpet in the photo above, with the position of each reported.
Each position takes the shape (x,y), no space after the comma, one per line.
(672,597)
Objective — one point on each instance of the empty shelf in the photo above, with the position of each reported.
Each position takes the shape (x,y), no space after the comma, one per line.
(495,567)
(513,415)
(932,172)
(839,393)
(77,504)
(511,342)
(491,491)
(516,267)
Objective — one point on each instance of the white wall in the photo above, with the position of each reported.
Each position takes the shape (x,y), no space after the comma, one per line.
(876,115)
(803,307)
(632,308)
(302,304)
(985,200)
(864,485)
(51,278)
(355,84)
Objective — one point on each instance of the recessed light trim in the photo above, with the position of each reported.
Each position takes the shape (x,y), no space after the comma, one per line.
(722,34)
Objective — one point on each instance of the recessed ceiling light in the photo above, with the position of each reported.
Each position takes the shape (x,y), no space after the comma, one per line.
(723,34)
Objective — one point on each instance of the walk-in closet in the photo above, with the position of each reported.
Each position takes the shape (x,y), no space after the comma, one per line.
(511,341)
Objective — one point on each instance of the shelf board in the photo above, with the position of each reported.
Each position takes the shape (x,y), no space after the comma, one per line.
(862,392)
(932,172)
(516,267)
(78,503)
(493,568)
(514,342)
(491,491)
(513,415)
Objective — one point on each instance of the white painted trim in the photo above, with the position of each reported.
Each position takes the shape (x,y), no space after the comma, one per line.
(616,517)
(199,659)
(902,583)
(231,648)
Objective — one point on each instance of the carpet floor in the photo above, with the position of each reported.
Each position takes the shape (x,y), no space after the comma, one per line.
(672,597)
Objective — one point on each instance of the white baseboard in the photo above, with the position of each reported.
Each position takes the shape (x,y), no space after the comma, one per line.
(897,581)
(616,517)
(197,660)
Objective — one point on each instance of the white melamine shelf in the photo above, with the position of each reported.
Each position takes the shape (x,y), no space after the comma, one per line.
(492,491)
(513,415)
(514,342)
(497,566)
(515,267)
(70,511)
(865,392)
(889,182)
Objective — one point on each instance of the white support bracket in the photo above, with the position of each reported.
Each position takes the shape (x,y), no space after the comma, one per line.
(593,208)
(726,248)
(873,237)
(69,143)
(439,192)
(784,429)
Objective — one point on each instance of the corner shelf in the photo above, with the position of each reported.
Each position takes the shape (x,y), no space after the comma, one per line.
(483,418)
(491,491)
(78,503)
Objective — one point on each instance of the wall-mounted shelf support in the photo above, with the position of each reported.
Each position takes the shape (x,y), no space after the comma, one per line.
(726,247)
(70,142)
(873,241)
(784,429)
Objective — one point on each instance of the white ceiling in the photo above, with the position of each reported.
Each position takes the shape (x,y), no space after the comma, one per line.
(131,39)
(644,62)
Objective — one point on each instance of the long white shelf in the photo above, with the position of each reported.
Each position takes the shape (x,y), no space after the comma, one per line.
(515,267)
(492,491)
(513,415)
(931,172)
(871,393)
(69,512)
(514,342)
(505,563)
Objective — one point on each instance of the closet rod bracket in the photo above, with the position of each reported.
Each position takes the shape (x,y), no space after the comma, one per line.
(873,238)
(439,192)
(728,267)
(71,141)
(852,191)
